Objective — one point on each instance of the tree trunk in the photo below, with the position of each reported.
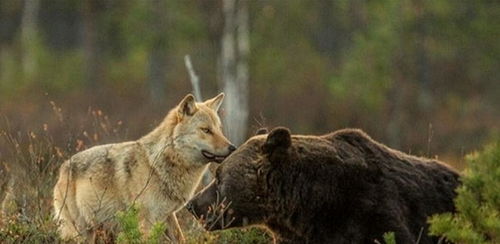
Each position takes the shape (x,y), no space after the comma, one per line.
(397,94)
(29,37)
(329,33)
(423,71)
(234,56)
(157,53)
(90,43)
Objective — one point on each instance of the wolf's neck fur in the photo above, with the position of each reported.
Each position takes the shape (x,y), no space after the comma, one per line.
(163,157)
(163,132)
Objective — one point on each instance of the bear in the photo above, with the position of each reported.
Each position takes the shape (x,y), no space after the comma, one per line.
(342,187)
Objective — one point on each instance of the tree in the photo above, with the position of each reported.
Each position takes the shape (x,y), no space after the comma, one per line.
(29,37)
(158,46)
(234,56)
(90,41)
(477,220)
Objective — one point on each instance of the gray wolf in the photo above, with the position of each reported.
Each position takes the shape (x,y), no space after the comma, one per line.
(158,173)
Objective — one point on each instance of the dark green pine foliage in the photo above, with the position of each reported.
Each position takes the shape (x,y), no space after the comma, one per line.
(477,219)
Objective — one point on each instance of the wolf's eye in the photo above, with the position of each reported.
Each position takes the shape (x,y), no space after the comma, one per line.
(206,130)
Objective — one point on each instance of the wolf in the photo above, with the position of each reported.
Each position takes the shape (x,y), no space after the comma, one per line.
(158,173)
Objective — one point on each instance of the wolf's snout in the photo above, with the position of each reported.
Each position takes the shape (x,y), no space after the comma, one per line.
(218,158)
(213,157)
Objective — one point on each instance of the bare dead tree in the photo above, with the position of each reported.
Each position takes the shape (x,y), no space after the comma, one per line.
(234,55)
(195,80)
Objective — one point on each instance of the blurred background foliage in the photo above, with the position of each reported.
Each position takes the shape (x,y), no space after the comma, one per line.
(419,75)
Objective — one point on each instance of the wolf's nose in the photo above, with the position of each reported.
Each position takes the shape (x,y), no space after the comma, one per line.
(231,148)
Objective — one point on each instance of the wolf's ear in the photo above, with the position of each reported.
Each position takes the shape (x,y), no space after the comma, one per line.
(277,143)
(215,102)
(187,106)
(261,131)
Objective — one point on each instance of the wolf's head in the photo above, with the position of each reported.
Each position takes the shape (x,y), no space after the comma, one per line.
(198,130)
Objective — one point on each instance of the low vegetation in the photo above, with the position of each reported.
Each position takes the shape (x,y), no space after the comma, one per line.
(477,220)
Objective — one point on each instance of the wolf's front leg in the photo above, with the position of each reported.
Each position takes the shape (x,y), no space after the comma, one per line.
(173,230)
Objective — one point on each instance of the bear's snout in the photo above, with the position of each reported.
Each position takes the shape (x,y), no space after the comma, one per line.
(212,209)
(199,205)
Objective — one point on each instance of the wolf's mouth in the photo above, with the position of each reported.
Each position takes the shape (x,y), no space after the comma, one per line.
(213,157)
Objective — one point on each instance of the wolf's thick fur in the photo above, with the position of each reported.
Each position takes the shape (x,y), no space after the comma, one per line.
(158,172)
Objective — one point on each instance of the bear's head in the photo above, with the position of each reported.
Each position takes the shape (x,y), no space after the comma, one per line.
(241,193)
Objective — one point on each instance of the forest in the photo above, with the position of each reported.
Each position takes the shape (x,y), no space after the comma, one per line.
(420,76)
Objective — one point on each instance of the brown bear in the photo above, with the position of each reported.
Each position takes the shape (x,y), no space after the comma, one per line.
(342,187)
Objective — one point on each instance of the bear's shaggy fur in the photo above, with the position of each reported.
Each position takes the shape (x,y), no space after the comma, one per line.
(342,187)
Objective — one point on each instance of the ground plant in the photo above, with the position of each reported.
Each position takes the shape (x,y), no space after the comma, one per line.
(477,220)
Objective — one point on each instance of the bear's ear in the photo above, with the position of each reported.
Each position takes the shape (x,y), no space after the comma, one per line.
(277,143)
(261,131)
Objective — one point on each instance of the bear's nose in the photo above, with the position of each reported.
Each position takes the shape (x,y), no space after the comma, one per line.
(190,207)
(231,148)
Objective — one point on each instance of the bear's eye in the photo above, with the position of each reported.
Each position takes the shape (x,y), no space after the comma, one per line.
(258,198)
(259,171)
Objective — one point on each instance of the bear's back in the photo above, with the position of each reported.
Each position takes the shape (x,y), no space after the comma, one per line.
(402,186)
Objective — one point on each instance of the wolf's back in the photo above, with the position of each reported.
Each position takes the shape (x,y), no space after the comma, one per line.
(87,160)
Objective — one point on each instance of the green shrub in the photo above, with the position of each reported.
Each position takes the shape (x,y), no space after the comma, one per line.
(129,223)
(477,220)
(390,238)
(130,232)
(156,233)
